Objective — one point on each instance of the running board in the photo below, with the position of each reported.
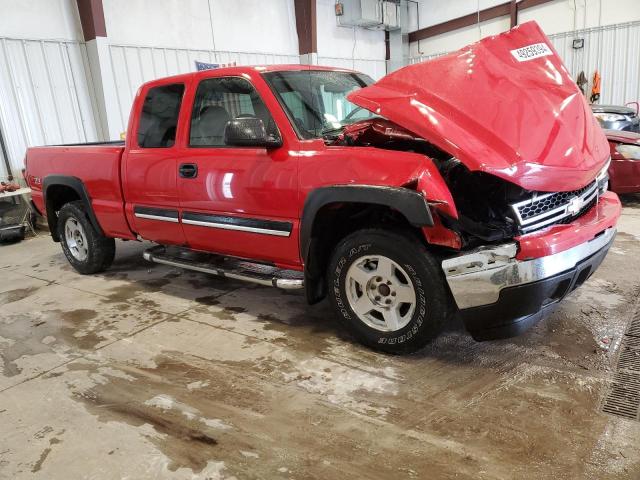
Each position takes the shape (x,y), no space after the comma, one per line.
(262,274)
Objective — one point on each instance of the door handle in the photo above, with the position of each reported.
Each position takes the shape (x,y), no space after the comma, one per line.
(188,170)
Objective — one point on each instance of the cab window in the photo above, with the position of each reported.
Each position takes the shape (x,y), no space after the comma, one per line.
(159,116)
(219,100)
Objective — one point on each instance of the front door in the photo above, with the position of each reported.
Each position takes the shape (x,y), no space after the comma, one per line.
(239,201)
(150,167)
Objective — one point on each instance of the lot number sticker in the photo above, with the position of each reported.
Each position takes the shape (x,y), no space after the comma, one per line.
(530,52)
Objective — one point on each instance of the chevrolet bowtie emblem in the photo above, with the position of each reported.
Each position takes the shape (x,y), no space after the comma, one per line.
(575,204)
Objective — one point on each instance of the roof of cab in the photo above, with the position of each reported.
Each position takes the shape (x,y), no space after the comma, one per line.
(239,70)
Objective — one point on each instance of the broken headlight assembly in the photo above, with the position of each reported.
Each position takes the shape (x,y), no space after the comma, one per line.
(630,152)
(603,178)
(482,201)
(609,117)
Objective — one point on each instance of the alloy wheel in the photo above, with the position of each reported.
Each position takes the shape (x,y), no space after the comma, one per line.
(381,293)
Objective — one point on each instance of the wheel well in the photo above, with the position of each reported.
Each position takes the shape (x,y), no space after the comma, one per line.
(335,221)
(57,196)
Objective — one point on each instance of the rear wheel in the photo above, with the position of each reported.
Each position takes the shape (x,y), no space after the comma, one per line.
(389,289)
(87,250)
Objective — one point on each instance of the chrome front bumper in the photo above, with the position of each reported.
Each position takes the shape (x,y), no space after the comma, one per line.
(477,278)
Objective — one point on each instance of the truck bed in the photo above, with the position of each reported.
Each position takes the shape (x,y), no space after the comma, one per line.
(97,164)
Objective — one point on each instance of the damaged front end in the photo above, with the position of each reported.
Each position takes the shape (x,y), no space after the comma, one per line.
(524,164)
(508,131)
(483,209)
(480,210)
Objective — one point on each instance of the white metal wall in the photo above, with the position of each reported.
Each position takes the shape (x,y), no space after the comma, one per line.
(45,93)
(134,65)
(376,69)
(613,50)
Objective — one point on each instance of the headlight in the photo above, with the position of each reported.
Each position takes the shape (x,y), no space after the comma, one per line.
(609,117)
(630,152)
(603,178)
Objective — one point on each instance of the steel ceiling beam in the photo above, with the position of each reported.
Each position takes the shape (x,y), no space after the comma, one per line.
(513,12)
(510,8)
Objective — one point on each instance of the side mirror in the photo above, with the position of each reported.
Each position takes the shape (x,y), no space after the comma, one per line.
(249,132)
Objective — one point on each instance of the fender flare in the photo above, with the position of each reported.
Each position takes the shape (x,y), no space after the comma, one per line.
(408,202)
(77,186)
(411,204)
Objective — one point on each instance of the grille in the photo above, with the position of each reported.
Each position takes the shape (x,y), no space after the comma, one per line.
(550,208)
(623,397)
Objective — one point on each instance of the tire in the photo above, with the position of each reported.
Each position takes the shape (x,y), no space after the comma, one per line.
(87,250)
(367,259)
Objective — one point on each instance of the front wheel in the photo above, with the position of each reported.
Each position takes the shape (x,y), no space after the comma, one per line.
(87,250)
(389,289)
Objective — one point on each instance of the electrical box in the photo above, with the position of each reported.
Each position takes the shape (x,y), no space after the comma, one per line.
(371,14)
(361,13)
(391,15)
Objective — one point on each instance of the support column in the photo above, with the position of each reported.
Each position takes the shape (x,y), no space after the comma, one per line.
(95,36)
(513,13)
(397,49)
(397,41)
(306,26)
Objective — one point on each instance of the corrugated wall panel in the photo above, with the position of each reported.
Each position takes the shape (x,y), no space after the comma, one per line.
(376,69)
(133,65)
(46,96)
(613,50)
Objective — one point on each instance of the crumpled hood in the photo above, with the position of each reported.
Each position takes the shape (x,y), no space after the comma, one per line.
(505,105)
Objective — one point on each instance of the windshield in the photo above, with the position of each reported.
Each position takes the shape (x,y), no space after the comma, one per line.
(316,101)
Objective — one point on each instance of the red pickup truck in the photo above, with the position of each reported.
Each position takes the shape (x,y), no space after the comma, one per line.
(474,184)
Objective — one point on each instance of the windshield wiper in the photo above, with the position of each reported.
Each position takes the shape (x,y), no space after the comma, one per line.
(326,131)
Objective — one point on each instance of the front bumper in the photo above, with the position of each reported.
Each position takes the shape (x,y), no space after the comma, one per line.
(501,291)
(500,296)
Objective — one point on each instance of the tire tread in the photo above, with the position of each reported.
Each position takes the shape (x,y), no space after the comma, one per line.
(426,266)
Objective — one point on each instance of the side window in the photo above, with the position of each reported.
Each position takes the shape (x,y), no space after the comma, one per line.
(159,117)
(219,100)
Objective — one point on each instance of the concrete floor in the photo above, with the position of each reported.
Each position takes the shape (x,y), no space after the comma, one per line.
(150,372)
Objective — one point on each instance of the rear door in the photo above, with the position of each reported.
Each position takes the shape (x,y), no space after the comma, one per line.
(150,165)
(239,201)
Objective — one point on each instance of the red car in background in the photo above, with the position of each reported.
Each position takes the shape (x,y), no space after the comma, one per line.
(624,172)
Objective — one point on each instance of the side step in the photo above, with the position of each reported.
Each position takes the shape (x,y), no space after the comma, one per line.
(228,267)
